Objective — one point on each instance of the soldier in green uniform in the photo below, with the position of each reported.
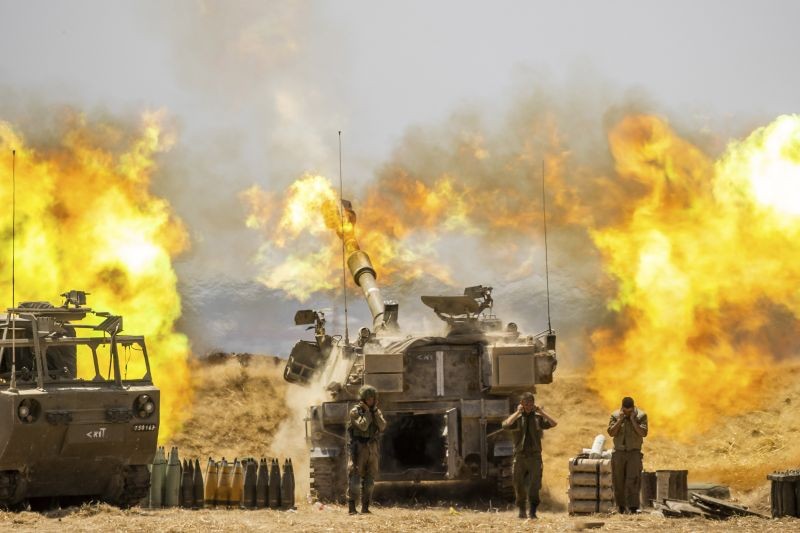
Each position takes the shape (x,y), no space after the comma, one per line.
(526,425)
(628,426)
(364,426)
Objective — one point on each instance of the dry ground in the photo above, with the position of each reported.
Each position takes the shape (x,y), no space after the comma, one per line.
(335,518)
(243,407)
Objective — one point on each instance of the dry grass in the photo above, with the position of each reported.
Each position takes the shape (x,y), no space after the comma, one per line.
(238,408)
(335,518)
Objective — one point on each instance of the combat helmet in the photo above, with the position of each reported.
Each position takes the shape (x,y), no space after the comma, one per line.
(366,391)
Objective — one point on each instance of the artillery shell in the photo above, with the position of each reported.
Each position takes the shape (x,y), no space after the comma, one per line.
(197,486)
(262,485)
(287,486)
(157,477)
(173,480)
(250,479)
(275,485)
(212,480)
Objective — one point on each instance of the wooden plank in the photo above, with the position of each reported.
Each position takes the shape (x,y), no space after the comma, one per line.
(672,484)
(648,489)
(686,509)
(590,493)
(589,469)
(580,479)
(590,506)
(722,507)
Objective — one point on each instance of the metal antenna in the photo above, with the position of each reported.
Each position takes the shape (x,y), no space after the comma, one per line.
(341,217)
(546,266)
(13,385)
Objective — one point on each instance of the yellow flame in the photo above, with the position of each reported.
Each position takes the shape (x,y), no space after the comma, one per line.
(702,258)
(310,207)
(87,219)
(477,187)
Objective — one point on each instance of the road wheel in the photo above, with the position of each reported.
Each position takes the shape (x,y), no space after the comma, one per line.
(328,479)
(505,484)
(134,487)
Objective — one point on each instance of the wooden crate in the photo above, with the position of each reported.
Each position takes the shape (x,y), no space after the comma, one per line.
(589,483)
(672,485)
(648,489)
(785,493)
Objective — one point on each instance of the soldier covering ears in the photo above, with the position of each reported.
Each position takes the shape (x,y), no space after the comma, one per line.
(365,424)
(526,425)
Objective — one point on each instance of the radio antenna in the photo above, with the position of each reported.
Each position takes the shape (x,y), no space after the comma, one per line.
(13,385)
(341,217)
(546,266)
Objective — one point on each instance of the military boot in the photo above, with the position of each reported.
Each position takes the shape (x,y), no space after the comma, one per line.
(522,511)
(351,507)
(365,507)
(533,511)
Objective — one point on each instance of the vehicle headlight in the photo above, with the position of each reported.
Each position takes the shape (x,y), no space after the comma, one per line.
(28,410)
(144,406)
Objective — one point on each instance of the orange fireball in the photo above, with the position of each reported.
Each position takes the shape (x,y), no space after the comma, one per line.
(704,258)
(87,219)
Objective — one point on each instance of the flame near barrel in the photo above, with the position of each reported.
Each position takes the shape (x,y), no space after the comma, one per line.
(360,266)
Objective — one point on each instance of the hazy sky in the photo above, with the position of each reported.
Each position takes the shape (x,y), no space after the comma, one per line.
(377,67)
(259,89)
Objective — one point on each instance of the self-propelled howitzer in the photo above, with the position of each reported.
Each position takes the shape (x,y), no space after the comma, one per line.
(444,396)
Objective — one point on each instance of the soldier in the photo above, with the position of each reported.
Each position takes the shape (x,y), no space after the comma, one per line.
(628,426)
(365,424)
(526,425)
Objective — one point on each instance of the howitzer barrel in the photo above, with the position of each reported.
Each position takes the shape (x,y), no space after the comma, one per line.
(360,267)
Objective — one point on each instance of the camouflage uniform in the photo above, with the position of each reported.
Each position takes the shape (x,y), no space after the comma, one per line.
(626,461)
(364,426)
(526,433)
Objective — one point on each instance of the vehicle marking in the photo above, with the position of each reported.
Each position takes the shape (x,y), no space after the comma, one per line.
(97,433)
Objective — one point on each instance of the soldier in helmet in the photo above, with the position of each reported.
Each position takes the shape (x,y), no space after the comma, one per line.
(526,425)
(365,424)
(628,426)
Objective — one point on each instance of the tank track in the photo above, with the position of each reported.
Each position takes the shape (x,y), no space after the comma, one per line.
(135,486)
(328,479)
(9,481)
(505,482)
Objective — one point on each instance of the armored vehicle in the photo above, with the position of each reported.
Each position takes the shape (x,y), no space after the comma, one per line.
(444,396)
(76,420)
